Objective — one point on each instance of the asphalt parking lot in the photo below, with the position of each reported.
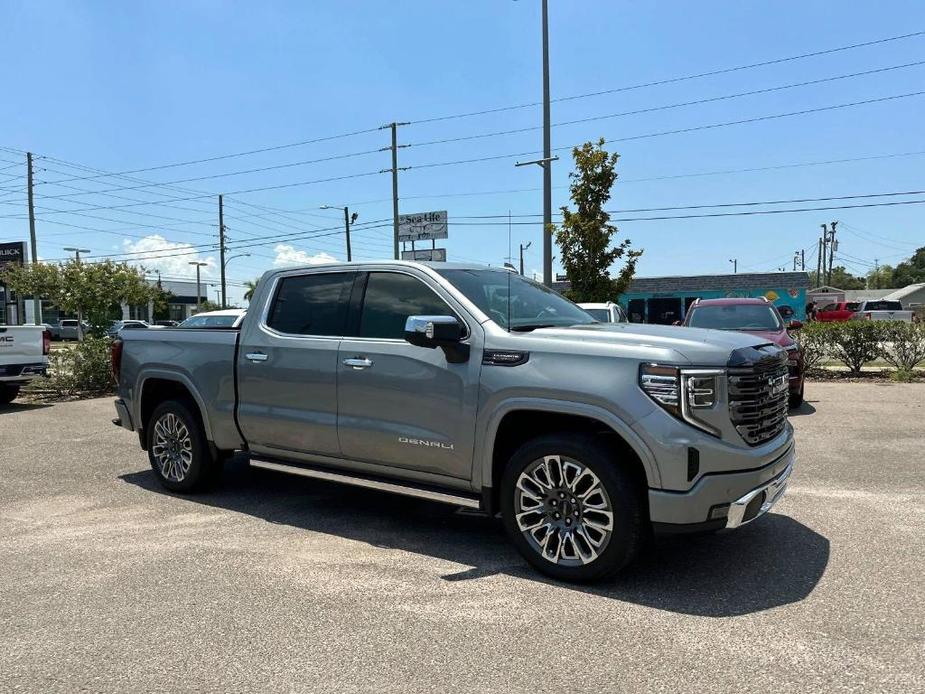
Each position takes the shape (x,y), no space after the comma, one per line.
(273,583)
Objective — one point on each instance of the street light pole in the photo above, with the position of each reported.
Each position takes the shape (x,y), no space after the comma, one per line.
(348,220)
(198,265)
(522,249)
(735,265)
(80,321)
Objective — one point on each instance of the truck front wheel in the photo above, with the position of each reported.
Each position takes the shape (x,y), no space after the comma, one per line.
(570,508)
(177,448)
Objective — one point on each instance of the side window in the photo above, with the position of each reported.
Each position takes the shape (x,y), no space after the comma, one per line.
(829,307)
(312,304)
(390,298)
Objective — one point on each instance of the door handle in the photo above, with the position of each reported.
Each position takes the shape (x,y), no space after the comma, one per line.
(358,363)
(256,356)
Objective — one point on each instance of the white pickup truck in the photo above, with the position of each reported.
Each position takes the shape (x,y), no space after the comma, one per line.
(23,356)
(882,309)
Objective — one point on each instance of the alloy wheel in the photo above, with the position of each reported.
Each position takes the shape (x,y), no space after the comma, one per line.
(563,510)
(172,447)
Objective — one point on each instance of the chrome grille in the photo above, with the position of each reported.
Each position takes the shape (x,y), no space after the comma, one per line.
(758,398)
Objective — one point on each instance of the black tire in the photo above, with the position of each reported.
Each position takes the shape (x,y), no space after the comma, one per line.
(796,399)
(8,394)
(625,502)
(194,468)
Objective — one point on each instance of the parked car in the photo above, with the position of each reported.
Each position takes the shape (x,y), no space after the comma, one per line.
(23,356)
(66,329)
(226,318)
(609,312)
(837,311)
(167,323)
(119,325)
(758,317)
(882,309)
(478,387)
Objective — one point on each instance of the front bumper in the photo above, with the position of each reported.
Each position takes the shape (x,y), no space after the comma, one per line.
(722,500)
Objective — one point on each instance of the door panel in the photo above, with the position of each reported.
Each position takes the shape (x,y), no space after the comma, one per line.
(402,405)
(287,366)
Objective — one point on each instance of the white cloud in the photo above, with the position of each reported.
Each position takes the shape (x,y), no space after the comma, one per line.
(288,255)
(178,256)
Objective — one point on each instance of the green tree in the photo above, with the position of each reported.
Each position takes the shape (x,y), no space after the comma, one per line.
(585,236)
(90,290)
(841,278)
(910,271)
(881,278)
(251,288)
(207,305)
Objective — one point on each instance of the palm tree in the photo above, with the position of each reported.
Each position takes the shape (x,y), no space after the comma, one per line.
(251,288)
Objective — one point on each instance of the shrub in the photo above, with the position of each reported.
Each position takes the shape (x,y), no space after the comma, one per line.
(902,375)
(83,369)
(856,342)
(903,344)
(815,341)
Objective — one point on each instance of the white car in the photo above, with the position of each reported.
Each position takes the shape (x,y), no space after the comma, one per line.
(226,318)
(882,309)
(23,356)
(606,313)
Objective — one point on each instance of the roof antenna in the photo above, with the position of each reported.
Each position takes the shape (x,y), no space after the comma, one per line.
(509,271)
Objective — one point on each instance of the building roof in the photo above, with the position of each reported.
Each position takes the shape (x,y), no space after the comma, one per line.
(899,294)
(741,280)
(864,294)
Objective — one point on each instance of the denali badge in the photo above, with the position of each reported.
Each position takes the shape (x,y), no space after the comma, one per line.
(428,444)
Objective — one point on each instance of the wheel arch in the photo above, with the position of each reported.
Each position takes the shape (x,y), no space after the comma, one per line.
(543,415)
(154,387)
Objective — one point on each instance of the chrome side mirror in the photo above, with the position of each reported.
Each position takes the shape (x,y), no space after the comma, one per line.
(431,332)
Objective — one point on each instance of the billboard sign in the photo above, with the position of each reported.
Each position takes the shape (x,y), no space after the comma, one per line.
(422,226)
(12,253)
(432,254)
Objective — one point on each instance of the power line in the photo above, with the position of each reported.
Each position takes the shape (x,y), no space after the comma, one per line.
(665,107)
(672,80)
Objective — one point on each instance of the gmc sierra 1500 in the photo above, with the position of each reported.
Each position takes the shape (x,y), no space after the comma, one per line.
(475,386)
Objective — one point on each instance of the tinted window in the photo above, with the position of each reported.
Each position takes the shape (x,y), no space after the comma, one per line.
(514,302)
(390,298)
(735,317)
(601,314)
(882,306)
(852,306)
(209,322)
(311,304)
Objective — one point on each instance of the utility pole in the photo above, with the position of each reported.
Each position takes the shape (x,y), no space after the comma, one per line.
(198,265)
(36,300)
(522,249)
(348,220)
(394,147)
(221,250)
(821,255)
(803,260)
(547,153)
(735,265)
(832,246)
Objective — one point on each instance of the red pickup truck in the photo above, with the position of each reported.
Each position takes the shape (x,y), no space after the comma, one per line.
(840,311)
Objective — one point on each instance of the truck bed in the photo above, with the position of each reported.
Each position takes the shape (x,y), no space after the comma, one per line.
(203,359)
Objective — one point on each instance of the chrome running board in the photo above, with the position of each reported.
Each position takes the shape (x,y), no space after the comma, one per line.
(368,483)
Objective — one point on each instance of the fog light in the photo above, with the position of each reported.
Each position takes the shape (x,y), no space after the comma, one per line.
(720,511)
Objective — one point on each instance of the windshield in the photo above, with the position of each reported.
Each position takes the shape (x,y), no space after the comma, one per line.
(209,322)
(499,294)
(601,314)
(735,317)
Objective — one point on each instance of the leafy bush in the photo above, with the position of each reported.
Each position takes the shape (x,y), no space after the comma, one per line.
(83,369)
(903,344)
(815,340)
(856,342)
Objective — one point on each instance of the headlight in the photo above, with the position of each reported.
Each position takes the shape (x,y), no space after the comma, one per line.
(681,392)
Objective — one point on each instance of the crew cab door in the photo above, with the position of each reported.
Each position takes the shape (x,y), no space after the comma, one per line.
(400,405)
(287,364)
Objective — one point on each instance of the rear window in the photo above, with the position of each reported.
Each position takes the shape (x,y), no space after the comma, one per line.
(882,306)
(209,322)
(761,317)
(601,314)
(312,304)
(852,306)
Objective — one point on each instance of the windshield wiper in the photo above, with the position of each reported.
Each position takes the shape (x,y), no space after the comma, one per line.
(527,327)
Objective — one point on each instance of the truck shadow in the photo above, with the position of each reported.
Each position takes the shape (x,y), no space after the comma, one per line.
(776,561)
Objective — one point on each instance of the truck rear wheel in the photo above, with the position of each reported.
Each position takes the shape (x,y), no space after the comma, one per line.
(178,450)
(570,509)
(8,394)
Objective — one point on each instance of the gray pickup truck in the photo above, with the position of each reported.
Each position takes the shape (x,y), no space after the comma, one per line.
(474,386)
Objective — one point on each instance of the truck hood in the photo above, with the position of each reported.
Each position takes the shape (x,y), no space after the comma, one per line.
(697,346)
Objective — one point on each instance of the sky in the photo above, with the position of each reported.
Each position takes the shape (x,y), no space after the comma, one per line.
(99,88)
